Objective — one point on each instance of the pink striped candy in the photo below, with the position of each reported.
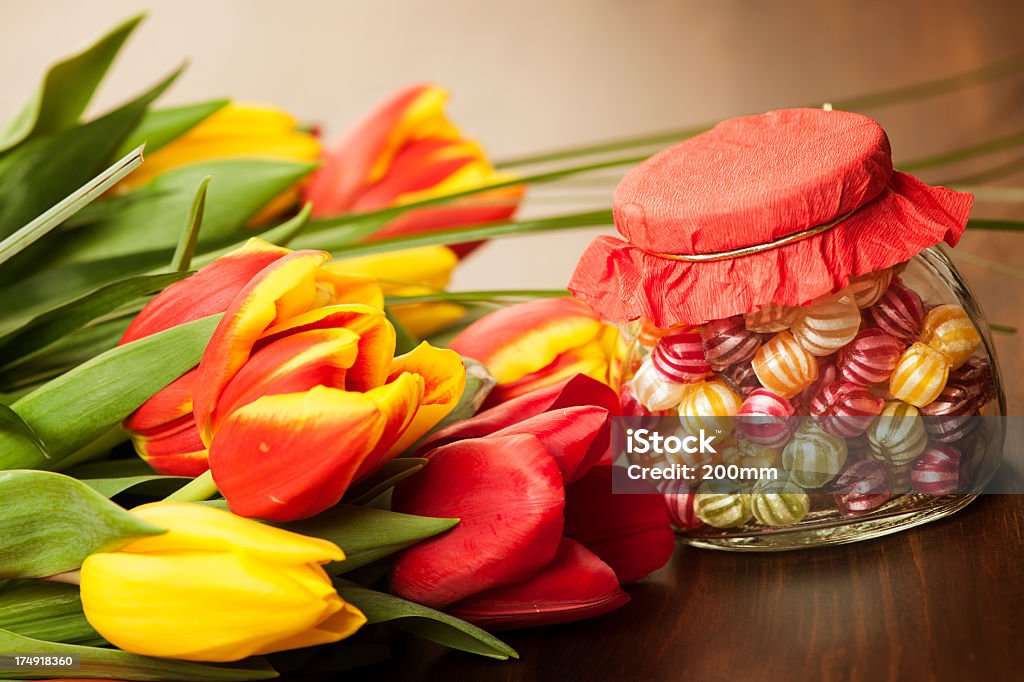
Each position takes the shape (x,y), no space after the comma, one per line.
(680,357)
(741,378)
(862,487)
(870,357)
(845,409)
(952,416)
(729,342)
(771,318)
(679,502)
(976,376)
(936,471)
(765,418)
(899,313)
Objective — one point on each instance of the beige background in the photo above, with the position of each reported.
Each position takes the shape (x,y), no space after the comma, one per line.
(536,74)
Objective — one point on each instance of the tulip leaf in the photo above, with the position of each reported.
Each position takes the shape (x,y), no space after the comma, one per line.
(368,534)
(12,423)
(405,341)
(186,248)
(97,662)
(75,408)
(424,622)
(53,325)
(52,522)
(383,479)
(240,189)
(109,487)
(47,610)
(479,384)
(162,126)
(67,89)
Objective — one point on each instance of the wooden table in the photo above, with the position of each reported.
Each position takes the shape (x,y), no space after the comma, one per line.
(944,601)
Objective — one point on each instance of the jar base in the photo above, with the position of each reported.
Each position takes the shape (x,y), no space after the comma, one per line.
(826,529)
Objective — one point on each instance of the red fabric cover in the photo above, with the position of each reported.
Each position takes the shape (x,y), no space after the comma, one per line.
(753,180)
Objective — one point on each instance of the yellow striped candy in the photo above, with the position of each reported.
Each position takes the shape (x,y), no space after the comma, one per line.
(869,287)
(827,324)
(813,457)
(783,366)
(897,435)
(778,502)
(711,406)
(721,504)
(771,318)
(919,376)
(747,453)
(947,328)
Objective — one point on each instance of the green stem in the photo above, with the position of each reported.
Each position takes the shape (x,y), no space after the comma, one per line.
(94,450)
(198,489)
(972,151)
(476,296)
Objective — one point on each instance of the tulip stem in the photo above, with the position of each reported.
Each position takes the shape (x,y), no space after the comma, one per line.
(198,489)
(68,578)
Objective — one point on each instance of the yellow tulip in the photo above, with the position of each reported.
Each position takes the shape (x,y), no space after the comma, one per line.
(215,587)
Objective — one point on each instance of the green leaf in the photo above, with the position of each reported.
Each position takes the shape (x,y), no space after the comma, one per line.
(75,408)
(969,152)
(57,323)
(424,622)
(12,423)
(116,664)
(241,188)
(109,487)
(52,522)
(384,478)
(67,89)
(404,339)
(479,384)
(186,248)
(161,126)
(46,610)
(38,174)
(1008,225)
(38,228)
(499,296)
(367,534)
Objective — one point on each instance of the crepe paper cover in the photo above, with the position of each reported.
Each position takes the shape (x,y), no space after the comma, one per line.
(750,181)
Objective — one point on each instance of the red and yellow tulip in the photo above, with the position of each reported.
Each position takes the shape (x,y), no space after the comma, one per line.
(542,539)
(407,150)
(298,393)
(539,343)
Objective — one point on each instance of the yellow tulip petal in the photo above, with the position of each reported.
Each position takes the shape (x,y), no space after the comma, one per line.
(429,266)
(444,380)
(398,401)
(424,319)
(346,287)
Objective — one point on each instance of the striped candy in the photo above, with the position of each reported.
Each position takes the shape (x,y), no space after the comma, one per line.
(897,435)
(947,328)
(709,405)
(976,376)
(778,503)
(766,419)
(741,378)
(722,504)
(936,471)
(870,357)
(827,324)
(680,357)
(771,318)
(862,487)
(952,416)
(845,409)
(653,390)
(783,366)
(648,333)
(869,287)
(899,312)
(679,501)
(813,457)
(919,376)
(747,453)
(728,342)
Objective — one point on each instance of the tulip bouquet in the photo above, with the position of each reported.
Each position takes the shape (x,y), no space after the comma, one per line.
(245,430)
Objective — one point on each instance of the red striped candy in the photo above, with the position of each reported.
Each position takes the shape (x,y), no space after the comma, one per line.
(742,378)
(845,409)
(952,416)
(729,342)
(936,471)
(862,487)
(765,418)
(899,313)
(680,358)
(870,357)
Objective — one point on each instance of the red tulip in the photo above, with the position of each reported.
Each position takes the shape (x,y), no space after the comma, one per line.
(542,538)
(405,151)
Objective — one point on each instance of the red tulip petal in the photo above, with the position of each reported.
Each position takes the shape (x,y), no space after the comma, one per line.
(291,456)
(487,207)
(574,586)
(508,494)
(376,339)
(399,401)
(174,450)
(169,405)
(577,437)
(208,292)
(631,533)
(577,390)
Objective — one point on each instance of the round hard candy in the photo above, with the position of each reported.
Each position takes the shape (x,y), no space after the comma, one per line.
(679,357)
(729,342)
(870,357)
(845,409)
(722,504)
(652,390)
(899,312)
(709,406)
(897,435)
(679,500)
(976,376)
(952,416)
(813,457)
(827,324)
(746,453)
(771,318)
(869,287)
(948,329)
(919,376)
(936,471)
(765,419)
(740,377)
(783,366)
(862,487)
(778,502)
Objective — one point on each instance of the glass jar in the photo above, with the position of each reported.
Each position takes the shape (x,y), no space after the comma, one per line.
(870,406)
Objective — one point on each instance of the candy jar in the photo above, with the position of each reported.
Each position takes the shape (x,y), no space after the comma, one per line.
(792,296)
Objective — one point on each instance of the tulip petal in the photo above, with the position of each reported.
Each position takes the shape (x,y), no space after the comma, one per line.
(282,290)
(631,533)
(376,339)
(577,437)
(524,338)
(175,450)
(574,586)
(290,456)
(291,364)
(398,401)
(208,292)
(510,501)
(346,287)
(444,380)
(590,359)
(168,405)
